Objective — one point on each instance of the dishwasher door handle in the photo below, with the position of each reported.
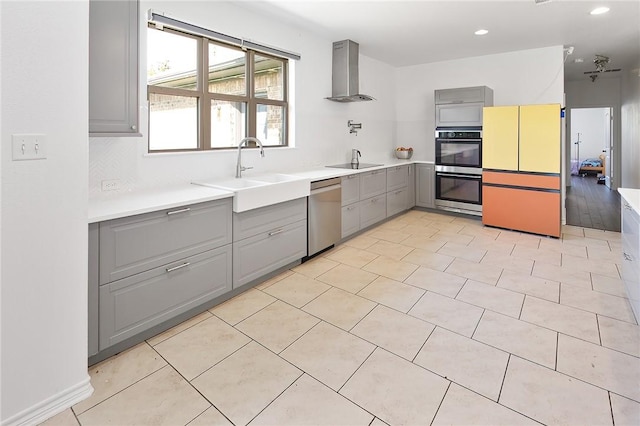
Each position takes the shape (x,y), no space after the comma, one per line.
(325,189)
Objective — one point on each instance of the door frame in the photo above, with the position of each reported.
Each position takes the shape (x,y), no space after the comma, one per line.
(615,130)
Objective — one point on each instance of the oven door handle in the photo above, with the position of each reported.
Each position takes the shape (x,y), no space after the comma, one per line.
(460,176)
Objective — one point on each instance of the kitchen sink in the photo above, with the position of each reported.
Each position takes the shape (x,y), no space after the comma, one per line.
(235,184)
(260,191)
(275,178)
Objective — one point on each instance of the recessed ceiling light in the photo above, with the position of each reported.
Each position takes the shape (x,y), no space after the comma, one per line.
(599,10)
(481,32)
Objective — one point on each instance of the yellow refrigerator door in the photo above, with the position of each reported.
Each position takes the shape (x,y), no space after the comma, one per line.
(500,138)
(540,138)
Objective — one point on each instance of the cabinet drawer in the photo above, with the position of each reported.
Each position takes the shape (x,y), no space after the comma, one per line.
(397,177)
(373,183)
(256,256)
(350,189)
(350,219)
(396,201)
(373,210)
(139,243)
(265,219)
(132,305)
(521,209)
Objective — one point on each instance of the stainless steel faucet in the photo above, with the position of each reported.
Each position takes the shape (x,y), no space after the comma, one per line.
(239,168)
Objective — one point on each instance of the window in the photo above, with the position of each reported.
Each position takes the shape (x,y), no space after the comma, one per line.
(205,94)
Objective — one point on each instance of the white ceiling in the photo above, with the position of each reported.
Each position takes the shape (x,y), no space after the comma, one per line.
(408,32)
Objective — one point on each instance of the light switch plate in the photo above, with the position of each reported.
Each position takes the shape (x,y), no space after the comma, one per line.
(28,146)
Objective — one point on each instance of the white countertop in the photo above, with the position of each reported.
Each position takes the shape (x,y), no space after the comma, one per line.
(114,205)
(632,196)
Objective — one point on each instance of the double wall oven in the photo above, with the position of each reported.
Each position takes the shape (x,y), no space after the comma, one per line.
(459,170)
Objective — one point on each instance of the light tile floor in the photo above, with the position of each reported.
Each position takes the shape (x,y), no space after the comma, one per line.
(427,319)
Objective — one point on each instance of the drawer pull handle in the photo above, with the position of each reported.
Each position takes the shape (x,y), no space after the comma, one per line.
(352,177)
(627,206)
(179,211)
(272,233)
(175,268)
(350,208)
(398,192)
(627,256)
(374,200)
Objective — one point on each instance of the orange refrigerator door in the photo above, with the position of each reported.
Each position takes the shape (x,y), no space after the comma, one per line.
(522,209)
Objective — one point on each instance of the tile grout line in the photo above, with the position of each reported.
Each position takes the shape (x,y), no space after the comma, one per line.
(128,386)
(441,401)
(504,377)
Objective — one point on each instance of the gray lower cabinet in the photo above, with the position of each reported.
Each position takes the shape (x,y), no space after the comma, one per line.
(350,219)
(134,304)
(631,256)
(425,185)
(396,201)
(411,187)
(113,68)
(93,280)
(148,268)
(397,189)
(373,210)
(350,189)
(134,244)
(260,254)
(397,177)
(268,238)
(373,183)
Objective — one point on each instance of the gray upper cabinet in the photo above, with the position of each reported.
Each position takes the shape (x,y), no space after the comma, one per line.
(457,115)
(479,94)
(113,68)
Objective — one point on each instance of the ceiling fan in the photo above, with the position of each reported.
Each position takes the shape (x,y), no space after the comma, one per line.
(601,62)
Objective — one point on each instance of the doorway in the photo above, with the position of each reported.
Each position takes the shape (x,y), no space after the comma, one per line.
(591,202)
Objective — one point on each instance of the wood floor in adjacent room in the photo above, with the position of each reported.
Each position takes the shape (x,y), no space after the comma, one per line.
(591,205)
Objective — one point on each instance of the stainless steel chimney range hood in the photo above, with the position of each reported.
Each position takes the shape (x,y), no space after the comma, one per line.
(345,83)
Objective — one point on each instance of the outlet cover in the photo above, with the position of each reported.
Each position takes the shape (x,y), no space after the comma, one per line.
(111,185)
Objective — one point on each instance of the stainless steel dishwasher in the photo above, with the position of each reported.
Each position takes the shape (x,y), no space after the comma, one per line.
(324,215)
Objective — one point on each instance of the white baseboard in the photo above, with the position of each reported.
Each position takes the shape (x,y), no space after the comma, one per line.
(56,404)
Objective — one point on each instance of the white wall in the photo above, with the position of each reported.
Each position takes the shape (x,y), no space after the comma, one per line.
(604,92)
(630,128)
(321,134)
(592,124)
(44,209)
(525,77)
